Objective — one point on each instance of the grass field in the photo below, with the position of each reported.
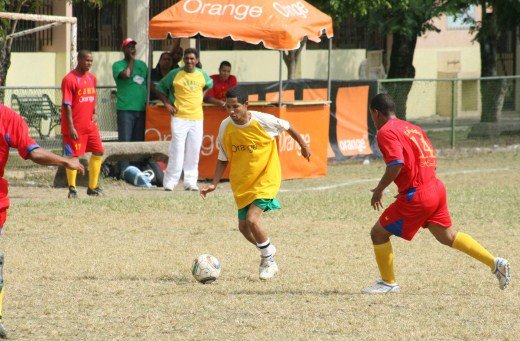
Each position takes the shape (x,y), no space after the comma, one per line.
(119,267)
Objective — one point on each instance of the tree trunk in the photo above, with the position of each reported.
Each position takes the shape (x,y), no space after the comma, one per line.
(401,66)
(5,63)
(490,91)
(291,60)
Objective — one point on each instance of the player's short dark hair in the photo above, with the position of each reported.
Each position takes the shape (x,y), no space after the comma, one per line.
(83,53)
(383,103)
(191,50)
(224,63)
(239,93)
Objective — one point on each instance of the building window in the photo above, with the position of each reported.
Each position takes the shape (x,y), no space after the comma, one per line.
(36,41)
(99,29)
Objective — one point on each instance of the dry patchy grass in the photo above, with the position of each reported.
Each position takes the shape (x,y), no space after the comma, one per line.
(118,267)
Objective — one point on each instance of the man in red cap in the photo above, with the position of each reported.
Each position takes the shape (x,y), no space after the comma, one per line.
(130,75)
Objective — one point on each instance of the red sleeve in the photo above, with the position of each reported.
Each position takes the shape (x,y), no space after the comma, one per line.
(17,133)
(390,147)
(210,93)
(232,81)
(67,90)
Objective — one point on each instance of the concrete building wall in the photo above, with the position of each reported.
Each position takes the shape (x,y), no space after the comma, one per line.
(449,36)
(428,98)
(32,69)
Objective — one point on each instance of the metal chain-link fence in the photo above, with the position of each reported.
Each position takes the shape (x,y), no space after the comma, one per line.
(459,113)
(455,113)
(41,106)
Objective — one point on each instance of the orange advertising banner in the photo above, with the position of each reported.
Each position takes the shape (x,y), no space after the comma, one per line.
(351,114)
(157,125)
(287,95)
(312,122)
(213,116)
(319,94)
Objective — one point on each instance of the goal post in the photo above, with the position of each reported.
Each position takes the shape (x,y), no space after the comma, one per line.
(54,20)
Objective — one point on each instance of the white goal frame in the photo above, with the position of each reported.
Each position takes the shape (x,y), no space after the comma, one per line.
(54,20)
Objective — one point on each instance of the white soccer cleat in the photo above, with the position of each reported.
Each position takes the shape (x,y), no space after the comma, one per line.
(502,272)
(381,287)
(267,270)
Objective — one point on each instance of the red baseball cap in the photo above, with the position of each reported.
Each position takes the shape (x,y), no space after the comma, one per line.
(127,42)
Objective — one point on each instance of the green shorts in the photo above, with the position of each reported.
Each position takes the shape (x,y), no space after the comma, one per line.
(264,204)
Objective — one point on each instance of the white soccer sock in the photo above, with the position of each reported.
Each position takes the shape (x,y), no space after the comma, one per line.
(266,249)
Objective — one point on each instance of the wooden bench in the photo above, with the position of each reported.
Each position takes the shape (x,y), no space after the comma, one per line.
(35,110)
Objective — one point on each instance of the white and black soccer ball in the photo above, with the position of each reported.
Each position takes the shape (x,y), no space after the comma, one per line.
(206,268)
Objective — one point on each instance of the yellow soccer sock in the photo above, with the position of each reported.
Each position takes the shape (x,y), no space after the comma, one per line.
(71,176)
(385,261)
(94,168)
(465,243)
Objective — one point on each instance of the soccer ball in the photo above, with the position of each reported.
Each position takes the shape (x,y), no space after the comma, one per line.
(205,268)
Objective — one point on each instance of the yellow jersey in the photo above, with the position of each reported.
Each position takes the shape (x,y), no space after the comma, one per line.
(252,152)
(186,91)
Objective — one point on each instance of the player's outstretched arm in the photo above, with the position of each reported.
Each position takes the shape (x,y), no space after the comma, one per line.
(219,171)
(391,173)
(44,157)
(306,152)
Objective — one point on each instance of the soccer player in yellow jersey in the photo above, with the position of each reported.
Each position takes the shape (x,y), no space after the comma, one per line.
(247,142)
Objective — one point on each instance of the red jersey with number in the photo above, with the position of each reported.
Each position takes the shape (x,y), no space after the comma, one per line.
(14,133)
(79,92)
(402,142)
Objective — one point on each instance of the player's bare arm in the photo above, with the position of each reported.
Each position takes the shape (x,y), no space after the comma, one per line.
(214,101)
(154,90)
(220,168)
(42,156)
(391,173)
(306,152)
(170,107)
(130,57)
(72,130)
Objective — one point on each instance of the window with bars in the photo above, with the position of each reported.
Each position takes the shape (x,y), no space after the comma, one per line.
(99,29)
(36,41)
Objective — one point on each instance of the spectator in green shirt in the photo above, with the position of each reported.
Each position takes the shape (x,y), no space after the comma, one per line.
(130,75)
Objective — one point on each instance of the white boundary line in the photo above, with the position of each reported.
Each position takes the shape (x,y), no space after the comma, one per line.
(355,182)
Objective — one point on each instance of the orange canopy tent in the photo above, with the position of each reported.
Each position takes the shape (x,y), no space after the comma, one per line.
(279,25)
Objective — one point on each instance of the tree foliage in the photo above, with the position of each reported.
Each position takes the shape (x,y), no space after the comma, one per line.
(405,21)
(498,17)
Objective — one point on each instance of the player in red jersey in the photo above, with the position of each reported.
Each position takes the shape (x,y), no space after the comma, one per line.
(421,202)
(78,122)
(14,133)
